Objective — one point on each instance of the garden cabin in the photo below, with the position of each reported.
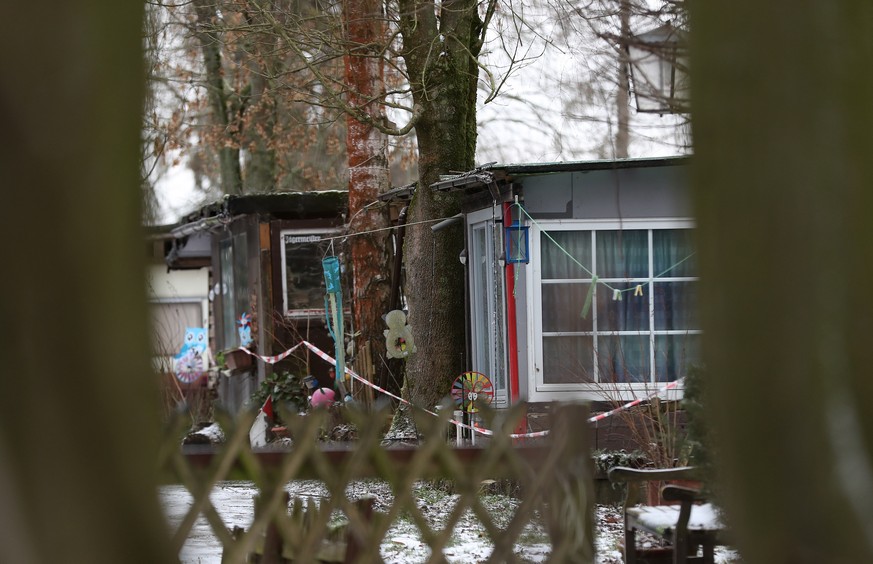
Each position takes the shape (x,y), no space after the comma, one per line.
(266,252)
(581,278)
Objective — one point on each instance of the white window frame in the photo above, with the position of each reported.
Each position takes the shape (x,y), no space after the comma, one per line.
(496,358)
(541,391)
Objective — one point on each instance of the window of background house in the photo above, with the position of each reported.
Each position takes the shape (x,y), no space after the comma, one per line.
(169,321)
(651,334)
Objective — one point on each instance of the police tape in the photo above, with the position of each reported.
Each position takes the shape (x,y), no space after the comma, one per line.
(638,401)
(486,432)
(272,359)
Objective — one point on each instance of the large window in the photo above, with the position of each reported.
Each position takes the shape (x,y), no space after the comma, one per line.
(614,304)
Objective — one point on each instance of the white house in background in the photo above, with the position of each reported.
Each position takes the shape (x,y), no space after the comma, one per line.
(178,298)
(592,294)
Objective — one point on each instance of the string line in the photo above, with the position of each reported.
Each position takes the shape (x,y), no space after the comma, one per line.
(594,279)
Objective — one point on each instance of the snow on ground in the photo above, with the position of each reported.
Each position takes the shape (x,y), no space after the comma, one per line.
(402,543)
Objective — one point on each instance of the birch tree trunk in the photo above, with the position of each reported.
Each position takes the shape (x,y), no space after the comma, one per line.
(79,402)
(783,122)
(367,150)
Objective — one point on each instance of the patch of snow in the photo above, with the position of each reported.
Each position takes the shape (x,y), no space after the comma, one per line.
(213,432)
(402,544)
(662,517)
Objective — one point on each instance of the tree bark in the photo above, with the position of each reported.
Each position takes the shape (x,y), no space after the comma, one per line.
(79,405)
(260,114)
(782,176)
(367,150)
(210,44)
(440,54)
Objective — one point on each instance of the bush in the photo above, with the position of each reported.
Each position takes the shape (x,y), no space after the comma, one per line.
(287,389)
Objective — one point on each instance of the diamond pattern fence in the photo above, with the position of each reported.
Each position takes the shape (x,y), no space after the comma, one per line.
(553,477)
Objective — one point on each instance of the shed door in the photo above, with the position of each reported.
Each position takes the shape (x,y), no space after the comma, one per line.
(487,302)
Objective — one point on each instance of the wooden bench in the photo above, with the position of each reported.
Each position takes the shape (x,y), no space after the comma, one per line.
(689,524)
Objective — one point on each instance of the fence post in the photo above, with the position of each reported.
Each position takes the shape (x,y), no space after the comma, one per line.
(571,492)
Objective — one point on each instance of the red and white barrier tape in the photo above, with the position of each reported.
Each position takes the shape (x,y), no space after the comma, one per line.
(487,432)
(628,405)
(364,381)
(272,359)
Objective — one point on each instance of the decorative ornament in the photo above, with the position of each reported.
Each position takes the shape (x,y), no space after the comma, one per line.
(245,329)
(398,336)
(190,364)
(472,390)
(322,397)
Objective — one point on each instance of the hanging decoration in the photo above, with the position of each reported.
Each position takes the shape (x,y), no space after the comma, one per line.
(398,336)
(192,361)
(517,238)
(472,391)
(333,306)
(616,293)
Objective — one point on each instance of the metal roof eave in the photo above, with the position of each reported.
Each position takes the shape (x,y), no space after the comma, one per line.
(485,174)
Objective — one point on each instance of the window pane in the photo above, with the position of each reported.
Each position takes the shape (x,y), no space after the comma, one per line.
(673,253)
(228,331)
(482,328)
(622,254)
(241,299)
(563,305)
(630,313)
(557,252)
(568,360)
(623,358)
(675,306)
(304,275)
(674,354)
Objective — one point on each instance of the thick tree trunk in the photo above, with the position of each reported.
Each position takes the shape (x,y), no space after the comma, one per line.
(367,150)
(783,175)
(210,44)
(440,56)
(260,113)
(79,402)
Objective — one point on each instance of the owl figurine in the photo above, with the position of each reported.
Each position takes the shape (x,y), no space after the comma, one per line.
(191,362)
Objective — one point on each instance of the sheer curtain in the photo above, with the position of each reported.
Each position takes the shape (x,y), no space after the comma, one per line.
(623,324)
(675,302)
(565,287)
